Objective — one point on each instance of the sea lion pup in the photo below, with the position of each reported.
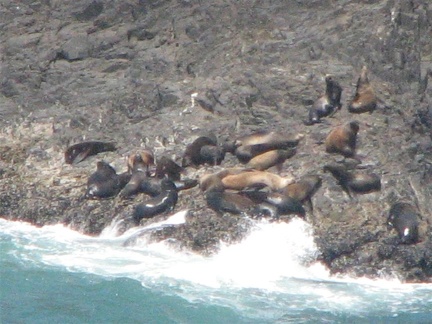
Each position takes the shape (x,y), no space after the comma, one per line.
(80,151)
(140,161)
(193,156)
(269,159)
(304,189)
(167,167)
(326,105)
(405,219)
(354,181)
(247,147)
(342,139)
(105,182)
(164,202)
(365,99)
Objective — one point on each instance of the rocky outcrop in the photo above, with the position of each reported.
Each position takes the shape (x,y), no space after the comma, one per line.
(160,73)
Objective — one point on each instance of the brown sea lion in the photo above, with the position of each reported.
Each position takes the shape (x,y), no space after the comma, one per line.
(365,99)
(328,104)
(351,181)
(80,151)
(208,181)
(255,179)
(140,161)
(247,147)
(269,159)
(105,182)
(304,189)
(405,219)
(342,139)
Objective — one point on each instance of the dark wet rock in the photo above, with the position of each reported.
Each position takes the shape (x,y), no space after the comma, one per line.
(159,74)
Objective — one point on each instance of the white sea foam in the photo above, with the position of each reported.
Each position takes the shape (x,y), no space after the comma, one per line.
(274,265)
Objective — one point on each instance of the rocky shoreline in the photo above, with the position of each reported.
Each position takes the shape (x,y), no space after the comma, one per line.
(158,74)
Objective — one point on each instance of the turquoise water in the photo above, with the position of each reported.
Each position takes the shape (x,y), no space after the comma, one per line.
(55,275)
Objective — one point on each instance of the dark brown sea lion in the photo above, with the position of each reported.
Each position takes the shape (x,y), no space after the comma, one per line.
(212,154)
(304,189)
(365,99)
(80,151)
(165,201)
(105,182)
(141,183)
(351,181)
(192,155)
(167,167)
(405,219)
(276,204)
(326,105)
(269,159)
(140,161)
(230,202)
(342,139)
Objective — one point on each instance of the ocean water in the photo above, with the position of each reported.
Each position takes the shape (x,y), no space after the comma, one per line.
(55,275)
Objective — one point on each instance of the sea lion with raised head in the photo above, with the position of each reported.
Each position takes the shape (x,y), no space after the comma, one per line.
(365,99)
(342,139)
(326,105)
(80,151)
(140,161)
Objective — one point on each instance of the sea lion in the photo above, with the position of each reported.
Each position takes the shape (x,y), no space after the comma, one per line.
(328,104)
(167,167)
(220,201)
(192,155)
(80,151)
(276,204)
(365,99)
(140,161)
(342,139)
(247,147)
(141,183)
(105,182)
(255,179)
(208,181)
(212,154)
(164,202)
(304,189)
(268,159)
(354,181)
(405,219)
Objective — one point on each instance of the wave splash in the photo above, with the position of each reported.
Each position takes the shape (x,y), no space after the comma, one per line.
(272,270)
